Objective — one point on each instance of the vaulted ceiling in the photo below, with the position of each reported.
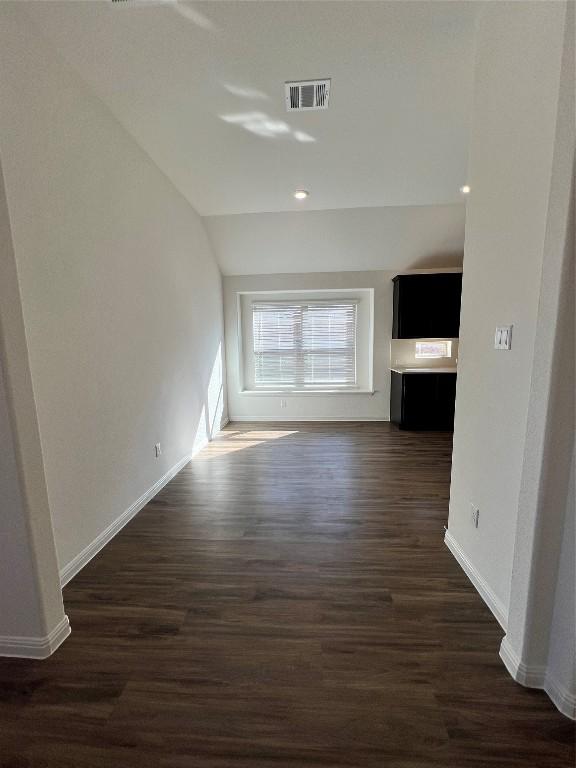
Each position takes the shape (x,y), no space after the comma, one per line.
(200,86)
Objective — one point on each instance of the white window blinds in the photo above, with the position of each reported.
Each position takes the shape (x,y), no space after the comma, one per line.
(304,344)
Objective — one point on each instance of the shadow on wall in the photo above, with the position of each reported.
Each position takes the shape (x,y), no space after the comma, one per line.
(438,261)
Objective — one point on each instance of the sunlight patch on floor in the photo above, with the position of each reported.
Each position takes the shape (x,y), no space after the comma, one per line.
(231,441)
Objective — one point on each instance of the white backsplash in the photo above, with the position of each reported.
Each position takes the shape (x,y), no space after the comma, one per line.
(403,354)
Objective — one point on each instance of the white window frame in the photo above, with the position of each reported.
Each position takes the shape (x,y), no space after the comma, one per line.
(301,385)
(364,338)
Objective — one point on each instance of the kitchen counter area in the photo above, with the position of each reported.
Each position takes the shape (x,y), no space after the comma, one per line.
(437,369)
(424,350)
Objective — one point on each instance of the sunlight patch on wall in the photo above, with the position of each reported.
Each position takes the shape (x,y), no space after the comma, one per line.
(201,438)
(190,13)
(213,406)
(244,92)
(303,137)
(215,396)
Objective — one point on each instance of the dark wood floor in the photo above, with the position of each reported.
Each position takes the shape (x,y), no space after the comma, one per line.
(285,602)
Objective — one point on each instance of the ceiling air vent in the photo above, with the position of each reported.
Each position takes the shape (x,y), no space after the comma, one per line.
(307,95)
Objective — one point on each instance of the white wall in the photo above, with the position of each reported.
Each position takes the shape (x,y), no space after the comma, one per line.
(390,238)
(516,94)
(540,644)
(514,431)
(121,295)
(250,405)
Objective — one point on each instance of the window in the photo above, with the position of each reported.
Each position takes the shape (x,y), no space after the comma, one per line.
(299,345)
(433,349)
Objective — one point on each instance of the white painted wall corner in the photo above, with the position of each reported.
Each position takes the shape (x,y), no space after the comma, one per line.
(83,558)
(35,647)
(529,676)
(537,677)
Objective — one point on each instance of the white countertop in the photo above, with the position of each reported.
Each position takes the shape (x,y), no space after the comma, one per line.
(406,369)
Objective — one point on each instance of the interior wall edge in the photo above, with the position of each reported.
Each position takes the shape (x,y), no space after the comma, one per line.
(30,595)
(536,676)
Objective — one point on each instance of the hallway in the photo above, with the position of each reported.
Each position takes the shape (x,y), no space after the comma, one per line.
(286,601)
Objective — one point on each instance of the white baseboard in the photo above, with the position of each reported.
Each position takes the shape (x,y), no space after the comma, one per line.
(295,419)
(77,563)
(35,647)
(563,699)
(533,676)
(492,601)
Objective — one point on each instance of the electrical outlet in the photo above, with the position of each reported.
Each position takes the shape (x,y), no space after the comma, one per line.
(474,515)
(157,450)
(283,403)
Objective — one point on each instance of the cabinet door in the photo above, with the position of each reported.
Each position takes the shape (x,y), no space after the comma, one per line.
(427,306)
(420,400)
(428,400)
(449,292)
(396,398)
(446,400)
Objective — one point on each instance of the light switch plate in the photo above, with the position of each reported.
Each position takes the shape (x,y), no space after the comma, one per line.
(503,337)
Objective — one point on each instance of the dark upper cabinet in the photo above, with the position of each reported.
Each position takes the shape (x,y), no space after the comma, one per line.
(427,306)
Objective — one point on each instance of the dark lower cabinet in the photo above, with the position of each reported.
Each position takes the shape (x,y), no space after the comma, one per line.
(423,400)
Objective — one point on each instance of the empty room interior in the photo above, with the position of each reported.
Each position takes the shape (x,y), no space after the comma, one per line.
(287,390)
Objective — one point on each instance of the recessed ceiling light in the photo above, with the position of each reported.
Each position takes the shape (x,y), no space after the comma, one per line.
(301,194)
(465,190)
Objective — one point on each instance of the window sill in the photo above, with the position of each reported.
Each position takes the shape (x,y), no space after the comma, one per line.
(305,392)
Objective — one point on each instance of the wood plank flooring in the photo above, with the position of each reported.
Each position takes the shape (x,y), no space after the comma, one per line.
(285,602)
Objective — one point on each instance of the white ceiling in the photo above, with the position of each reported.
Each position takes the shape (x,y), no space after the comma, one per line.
(200,88)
